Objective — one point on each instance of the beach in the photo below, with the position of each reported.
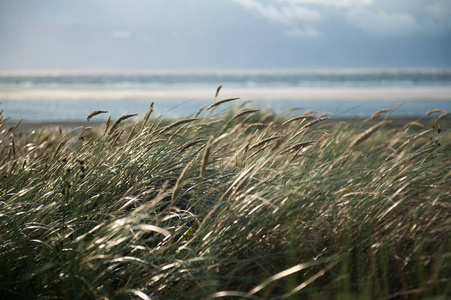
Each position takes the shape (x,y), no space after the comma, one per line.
(414,93)
(47,98)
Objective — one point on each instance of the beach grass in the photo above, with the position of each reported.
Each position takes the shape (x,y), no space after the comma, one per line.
(229,203)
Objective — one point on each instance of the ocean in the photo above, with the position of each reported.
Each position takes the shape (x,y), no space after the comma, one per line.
(70,97)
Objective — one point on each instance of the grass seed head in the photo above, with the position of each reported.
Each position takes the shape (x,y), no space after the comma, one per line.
(175,124)
(107,124)
(295,108)
(377,114)
(297,118)
(191,144)
(244,111)
(205,156)
(180,182)
(118,121)
(219,102)
(217,91)
(147,116)
(367,133)
(412,124)
(436,110)
(444,115)
(95,113)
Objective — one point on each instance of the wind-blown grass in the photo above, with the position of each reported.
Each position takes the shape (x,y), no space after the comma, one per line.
(239,205)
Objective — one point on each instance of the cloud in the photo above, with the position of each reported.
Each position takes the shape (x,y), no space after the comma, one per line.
(300,13)
(304,18)
(401,17)
(339,3)
(293,16)
(270,13)
(439,13)
(381,22)
(121,34)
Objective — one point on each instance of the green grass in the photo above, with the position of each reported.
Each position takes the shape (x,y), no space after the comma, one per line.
(232,205)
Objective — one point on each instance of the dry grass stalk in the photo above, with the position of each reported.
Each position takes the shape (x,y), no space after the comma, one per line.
(367,133)
(311,123)
(246,119)
(115,137)
(153,126)
(209,124)
(436,110)
(95,113)
(415,156)
(173,168)
(303,118)
(107,125)
(377,114)
(244,103)
(411,124)
(3,121)
(118,121)
(443,116)
(306,126)
(244,111)
(298,146)
(205,156)
(262,142)
(252,125)
(310,113)
(267,117)
(82,131)
(10,130)
(415,137)
(131,134)
(152,143)
(12,168)
(175,124)
(4,160)
(393,110)
(191,144)
(162,194)
(147,116)
(180,182)
(178,131)
(41,139)
(13,145)
(241,183)
(199,111)
(257,152)
(323,115)
(322,139)
(219,102)
(58,147)
(217,90)
(295,108)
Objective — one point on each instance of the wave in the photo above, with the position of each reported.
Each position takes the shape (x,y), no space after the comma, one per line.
(238,78)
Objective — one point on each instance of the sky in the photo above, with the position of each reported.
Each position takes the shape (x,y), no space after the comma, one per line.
(148,35)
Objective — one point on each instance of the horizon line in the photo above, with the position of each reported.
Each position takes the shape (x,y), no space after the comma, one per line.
(337,70)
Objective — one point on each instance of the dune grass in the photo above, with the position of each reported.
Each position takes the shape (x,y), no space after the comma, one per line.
(227,204)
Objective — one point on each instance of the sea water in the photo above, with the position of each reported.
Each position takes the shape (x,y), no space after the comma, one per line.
(65,110)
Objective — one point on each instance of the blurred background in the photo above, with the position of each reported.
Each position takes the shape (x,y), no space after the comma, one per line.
(59,60)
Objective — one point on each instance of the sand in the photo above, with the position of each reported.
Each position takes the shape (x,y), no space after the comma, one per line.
(264,94)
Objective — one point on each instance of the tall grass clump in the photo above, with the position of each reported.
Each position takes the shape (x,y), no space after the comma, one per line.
(234,205)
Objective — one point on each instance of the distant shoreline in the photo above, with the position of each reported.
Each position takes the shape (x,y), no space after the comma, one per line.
(414,93)
(351,70)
